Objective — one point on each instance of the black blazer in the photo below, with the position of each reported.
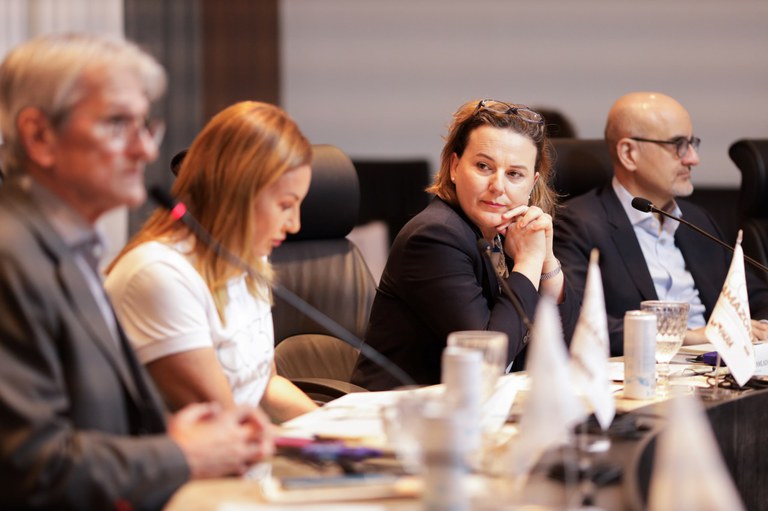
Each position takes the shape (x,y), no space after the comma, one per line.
(436,282)
(598,220)
(81,426)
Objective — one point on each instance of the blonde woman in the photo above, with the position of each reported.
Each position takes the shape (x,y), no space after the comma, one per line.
(493,185)
(202,326)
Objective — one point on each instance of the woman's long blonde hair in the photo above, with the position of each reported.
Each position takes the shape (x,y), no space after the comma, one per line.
(239,153)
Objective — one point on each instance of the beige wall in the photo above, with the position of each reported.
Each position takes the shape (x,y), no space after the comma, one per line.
(380,78)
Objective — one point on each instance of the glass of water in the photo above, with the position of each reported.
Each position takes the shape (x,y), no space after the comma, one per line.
(671,325)
(493,345)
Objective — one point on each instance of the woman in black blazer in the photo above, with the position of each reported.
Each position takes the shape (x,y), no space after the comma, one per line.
(493,185)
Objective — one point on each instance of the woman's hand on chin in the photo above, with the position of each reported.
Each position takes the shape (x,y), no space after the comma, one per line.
(510,217)
(525,242)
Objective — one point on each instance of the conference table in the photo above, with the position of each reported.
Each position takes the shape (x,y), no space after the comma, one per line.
(620,475)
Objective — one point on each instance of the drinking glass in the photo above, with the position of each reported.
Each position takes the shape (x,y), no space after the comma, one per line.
(671,324)
(401,420)
(494,348)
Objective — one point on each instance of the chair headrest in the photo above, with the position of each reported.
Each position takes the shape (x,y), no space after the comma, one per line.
(580,165)
(331,206)
(176,161)
(751,157)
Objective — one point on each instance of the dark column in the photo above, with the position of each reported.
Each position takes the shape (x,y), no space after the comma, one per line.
(241,52)
(216,52)
(170,30)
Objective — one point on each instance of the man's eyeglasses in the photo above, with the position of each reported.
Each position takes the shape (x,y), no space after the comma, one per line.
(681,143)
(499,107)
(120,130)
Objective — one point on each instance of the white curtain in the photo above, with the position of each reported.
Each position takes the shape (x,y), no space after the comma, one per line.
(23,19)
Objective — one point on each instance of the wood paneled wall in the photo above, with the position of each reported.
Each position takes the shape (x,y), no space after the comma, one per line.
(216,53)
(240,52)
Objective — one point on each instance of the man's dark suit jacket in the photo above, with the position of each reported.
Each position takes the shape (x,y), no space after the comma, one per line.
(598,220)
(436,281)
(81,426)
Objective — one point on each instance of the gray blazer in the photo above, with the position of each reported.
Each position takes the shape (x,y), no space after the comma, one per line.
(81,426)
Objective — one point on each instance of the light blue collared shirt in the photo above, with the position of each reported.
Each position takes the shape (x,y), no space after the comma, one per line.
(80,237)
(673,282)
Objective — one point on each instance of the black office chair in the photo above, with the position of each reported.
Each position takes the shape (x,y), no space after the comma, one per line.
(327,270)
(580,165)
(751,157)
(392,191)
(176,161)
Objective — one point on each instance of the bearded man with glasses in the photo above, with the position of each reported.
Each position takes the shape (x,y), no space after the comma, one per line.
(644,256)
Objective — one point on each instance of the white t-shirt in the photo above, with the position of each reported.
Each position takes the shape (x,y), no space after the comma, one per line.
(165,307)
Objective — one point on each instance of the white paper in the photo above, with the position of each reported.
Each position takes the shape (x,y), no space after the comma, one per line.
(354,416)
(761,359)
(697,349)
(358,415)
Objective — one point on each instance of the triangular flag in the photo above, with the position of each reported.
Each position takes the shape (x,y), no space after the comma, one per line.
(551,409)
(730,326)
(590,348)
(688,469)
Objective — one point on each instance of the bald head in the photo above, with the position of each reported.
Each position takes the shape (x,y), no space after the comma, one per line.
(642,114)
(641,131)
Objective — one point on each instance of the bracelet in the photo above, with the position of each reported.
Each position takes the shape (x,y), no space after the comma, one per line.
(553,273)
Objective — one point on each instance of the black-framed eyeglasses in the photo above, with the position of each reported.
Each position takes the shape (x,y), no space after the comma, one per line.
(681,143)
(500,107)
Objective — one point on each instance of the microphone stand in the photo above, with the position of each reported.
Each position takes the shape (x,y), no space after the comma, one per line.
(179,212)
(647,206)
(485,250)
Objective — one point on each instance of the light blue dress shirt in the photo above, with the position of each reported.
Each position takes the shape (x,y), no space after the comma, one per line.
(81,238)
(673,282)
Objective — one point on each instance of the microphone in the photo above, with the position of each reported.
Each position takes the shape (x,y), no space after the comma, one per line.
(178,211)
(646,206)
(485,249)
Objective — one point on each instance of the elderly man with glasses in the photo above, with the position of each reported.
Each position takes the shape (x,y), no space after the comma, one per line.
(644,256)
(82,425)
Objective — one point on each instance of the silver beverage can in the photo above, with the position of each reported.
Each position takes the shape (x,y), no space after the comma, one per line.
(639,355)
(462,376)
